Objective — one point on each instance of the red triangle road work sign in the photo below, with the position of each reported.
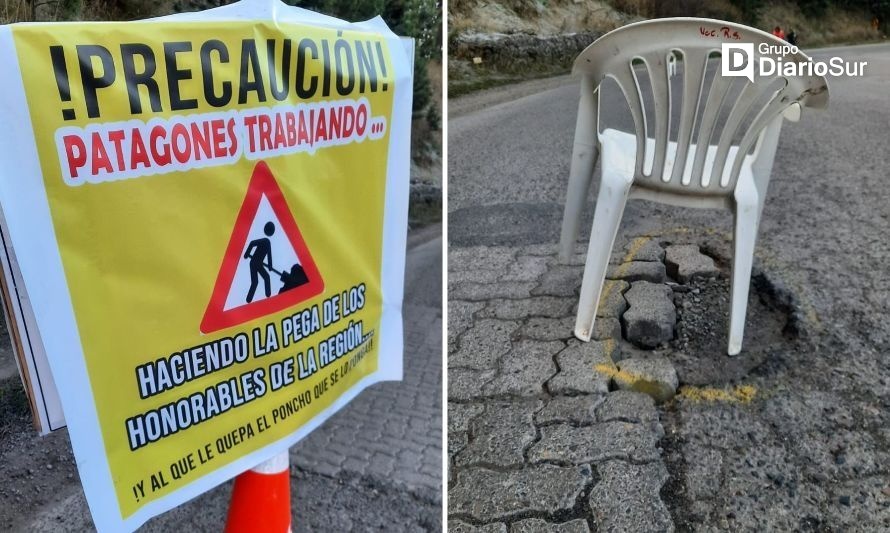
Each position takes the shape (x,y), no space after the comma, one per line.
(267,266)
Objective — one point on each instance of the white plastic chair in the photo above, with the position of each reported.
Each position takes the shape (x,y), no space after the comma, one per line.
(726,174)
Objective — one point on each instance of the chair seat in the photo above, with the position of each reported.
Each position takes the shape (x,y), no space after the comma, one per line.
(619,154)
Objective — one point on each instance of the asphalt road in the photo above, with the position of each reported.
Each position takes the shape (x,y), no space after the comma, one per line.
(375,465)
(826,216)
(812,452)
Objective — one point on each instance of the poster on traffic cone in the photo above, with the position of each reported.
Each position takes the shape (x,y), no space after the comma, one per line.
(208,213)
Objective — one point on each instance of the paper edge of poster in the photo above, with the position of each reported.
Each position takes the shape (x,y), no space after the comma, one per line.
(33,237)
(27,344)
(23,355)
(395,220)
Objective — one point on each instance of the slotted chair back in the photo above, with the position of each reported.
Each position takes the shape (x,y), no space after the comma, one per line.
(727,132)
(693,41)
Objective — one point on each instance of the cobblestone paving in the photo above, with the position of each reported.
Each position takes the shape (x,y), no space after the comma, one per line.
(550,434)
(394,431)
(536,440)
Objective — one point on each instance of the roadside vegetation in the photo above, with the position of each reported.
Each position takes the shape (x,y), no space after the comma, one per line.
(420,19)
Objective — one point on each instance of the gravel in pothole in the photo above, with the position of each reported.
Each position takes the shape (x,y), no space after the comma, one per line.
(698,351)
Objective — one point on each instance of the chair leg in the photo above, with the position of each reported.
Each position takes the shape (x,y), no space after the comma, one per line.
(584,156)
(747,216)
(762,168)
(583,162)
(613,193)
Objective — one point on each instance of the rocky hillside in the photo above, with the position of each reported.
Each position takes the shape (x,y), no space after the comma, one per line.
(499,41)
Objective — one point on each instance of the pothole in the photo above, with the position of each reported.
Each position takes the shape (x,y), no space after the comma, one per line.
(684,317)
(682,334)
(698,351)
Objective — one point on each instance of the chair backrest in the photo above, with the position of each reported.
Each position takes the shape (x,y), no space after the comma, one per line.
(655,44)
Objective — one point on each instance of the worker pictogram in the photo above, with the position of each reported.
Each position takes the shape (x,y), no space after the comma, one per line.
(267,266)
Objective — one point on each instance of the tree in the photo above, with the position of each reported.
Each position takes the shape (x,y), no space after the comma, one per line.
(421,19)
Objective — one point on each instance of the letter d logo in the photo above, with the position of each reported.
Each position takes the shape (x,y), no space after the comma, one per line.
(738,60)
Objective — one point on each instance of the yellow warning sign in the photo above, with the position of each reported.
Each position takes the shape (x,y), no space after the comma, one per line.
(224,202)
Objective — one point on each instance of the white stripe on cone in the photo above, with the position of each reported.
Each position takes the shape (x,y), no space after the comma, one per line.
(275,465)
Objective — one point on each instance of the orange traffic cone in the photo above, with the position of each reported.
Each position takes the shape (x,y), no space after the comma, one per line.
(261,498)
